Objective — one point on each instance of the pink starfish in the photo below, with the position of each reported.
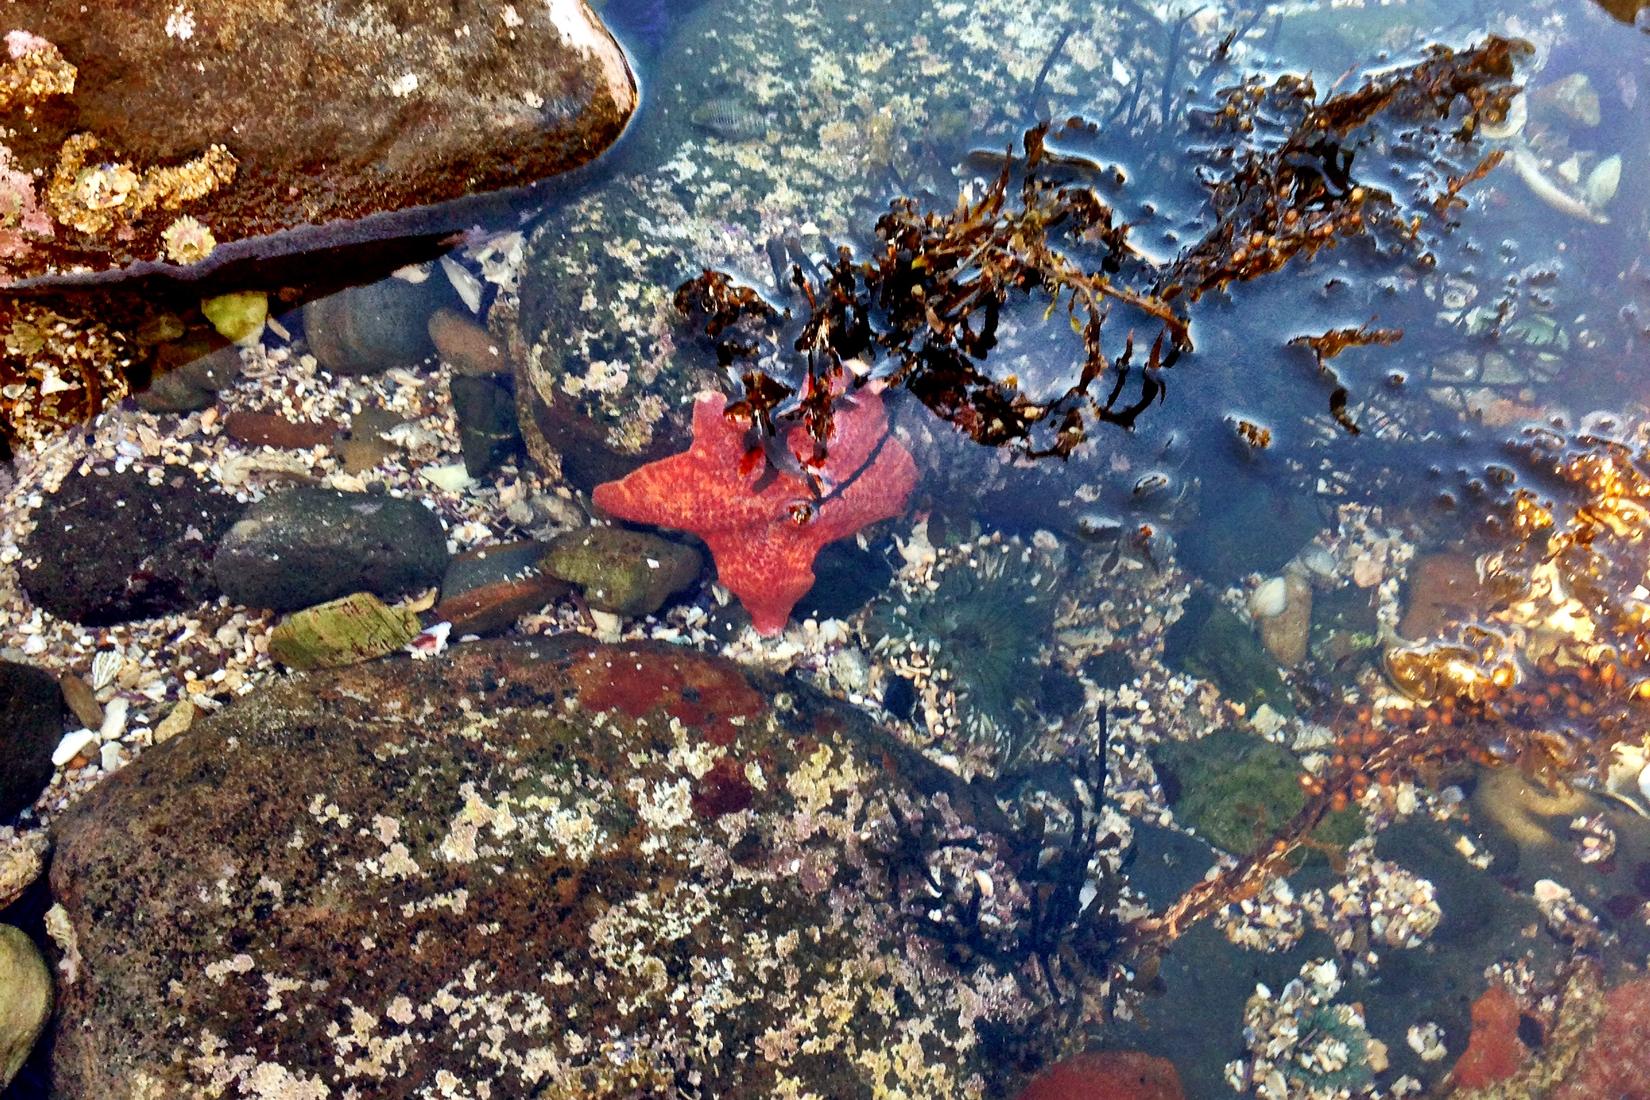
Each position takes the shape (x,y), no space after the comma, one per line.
(765,527)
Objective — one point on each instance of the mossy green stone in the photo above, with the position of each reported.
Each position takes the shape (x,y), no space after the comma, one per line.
(239,317)
(625,572)
(1236,789)
(25,999)
(358,627)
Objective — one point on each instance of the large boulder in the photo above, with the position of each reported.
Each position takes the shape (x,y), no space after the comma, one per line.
(755,138)
(113,547)
(253,118)
(540,867)
(304,546)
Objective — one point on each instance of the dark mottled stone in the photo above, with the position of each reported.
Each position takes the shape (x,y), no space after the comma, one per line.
(114,548)
(31,721)
(487,428)
(304,546)
(366,329)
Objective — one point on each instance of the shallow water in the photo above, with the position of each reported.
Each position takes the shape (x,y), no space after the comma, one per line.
(1399,645)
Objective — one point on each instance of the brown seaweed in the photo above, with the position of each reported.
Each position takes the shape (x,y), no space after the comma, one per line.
(921,309)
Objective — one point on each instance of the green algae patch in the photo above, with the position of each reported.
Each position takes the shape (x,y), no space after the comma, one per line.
(1236,790)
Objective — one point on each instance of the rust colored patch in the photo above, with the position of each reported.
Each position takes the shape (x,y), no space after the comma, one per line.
(1494,1051)
(722,790)
(1107,1075)
(704,693)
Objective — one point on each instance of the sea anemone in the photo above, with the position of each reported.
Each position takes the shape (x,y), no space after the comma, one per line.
(187,241)
(971,632)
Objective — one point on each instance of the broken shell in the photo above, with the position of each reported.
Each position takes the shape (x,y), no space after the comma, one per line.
(1603,181)
(103,186)
(105,666)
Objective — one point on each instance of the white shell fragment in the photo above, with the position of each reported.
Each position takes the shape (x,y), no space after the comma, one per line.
(1603,181)
(105,666)
(452,478)
(1269,600)
(469,287)
(71,746)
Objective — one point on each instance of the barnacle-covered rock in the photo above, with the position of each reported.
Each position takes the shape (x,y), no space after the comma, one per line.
(374,108)
(546,867)
(605,378)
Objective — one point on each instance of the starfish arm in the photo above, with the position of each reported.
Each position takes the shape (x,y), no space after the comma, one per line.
(651,493)
(879,492)
(769,570)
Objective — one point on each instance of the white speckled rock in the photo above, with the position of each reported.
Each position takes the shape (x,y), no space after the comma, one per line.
(547,868)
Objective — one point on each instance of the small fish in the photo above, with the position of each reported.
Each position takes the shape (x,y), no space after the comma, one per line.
(731,119)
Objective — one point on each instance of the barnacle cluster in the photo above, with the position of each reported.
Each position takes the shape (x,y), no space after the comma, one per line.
(971,632)
(32,70)
(97,196)
(1302,1043)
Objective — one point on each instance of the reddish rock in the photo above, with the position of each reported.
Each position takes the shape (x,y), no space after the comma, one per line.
(466,346)
(1107,1075)
(1616,1063)
(1494,1051)
(266,429)
(1443,589)
(494,608)
(699,693)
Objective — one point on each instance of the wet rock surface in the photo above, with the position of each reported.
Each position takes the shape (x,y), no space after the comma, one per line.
(304,546)
(549,868)
(25,999)
(111,549)
(485,591)
(379,106)
(625,572)
(31,720)
(365,329)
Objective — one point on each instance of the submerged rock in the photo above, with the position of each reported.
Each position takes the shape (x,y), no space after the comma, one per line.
(344,631)
(487,589)
(545,867)
(31,720)
(1107,1075)
(133,152)
(308,545)
(25,999)
(110,549)
(365,329)
(1212,642)
(1234,789)
(625,572)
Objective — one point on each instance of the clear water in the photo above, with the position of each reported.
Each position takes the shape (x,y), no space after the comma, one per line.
(1185,634)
